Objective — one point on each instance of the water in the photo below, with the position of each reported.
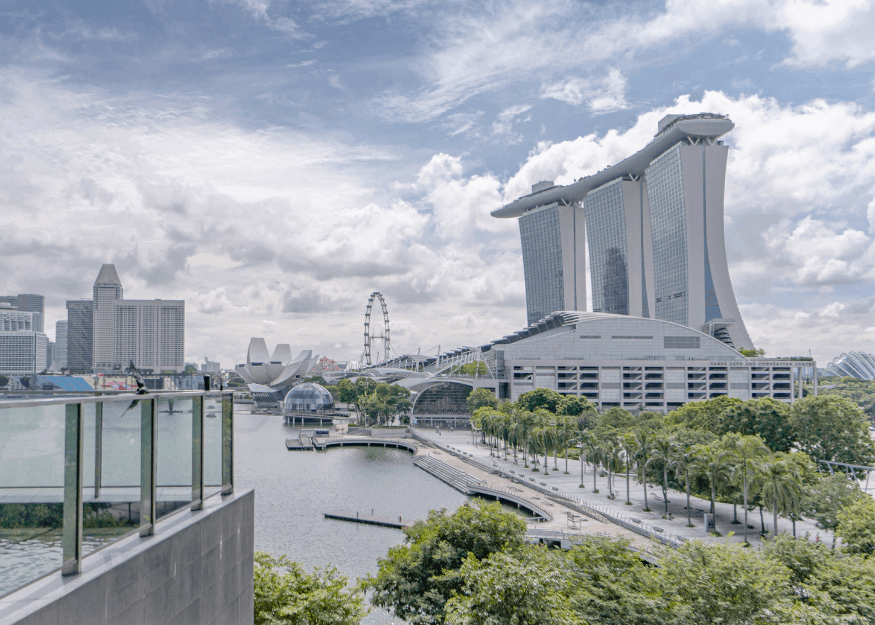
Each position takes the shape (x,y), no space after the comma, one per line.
(292,489)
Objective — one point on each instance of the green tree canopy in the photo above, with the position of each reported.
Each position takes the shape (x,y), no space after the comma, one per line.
(828,496)
(481,398)
(856,526)
(766,418)
(573,406)
(285,593)
(702,415)
(541,398)
(4,380)
(416,579)
(524,588)
(832,428)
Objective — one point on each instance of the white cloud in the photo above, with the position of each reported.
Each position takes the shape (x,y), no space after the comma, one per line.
(604,96)
(506,118)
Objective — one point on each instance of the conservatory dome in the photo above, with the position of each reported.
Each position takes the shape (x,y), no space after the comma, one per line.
(308,397)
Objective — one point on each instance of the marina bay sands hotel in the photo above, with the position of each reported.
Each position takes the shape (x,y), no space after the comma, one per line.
(653,225)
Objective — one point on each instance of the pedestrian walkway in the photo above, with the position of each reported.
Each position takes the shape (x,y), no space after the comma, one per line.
(669,518)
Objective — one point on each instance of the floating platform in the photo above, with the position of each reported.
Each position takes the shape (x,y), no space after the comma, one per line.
(306,443)
(367,519)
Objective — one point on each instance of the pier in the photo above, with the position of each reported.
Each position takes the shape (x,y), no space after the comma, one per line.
(367,519)
(313,443)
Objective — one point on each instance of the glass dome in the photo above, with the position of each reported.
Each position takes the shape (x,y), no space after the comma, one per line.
(308,397)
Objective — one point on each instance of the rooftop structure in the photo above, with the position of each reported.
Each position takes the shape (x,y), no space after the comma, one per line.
(653,224)
(858,365)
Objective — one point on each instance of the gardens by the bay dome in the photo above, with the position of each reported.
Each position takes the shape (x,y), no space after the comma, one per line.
(308,397)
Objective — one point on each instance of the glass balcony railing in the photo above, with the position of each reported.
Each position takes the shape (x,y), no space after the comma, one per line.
(78,473)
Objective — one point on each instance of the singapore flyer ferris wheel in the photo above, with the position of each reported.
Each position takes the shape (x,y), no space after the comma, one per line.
(371,335)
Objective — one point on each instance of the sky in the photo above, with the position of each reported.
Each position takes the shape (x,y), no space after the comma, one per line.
(274,163)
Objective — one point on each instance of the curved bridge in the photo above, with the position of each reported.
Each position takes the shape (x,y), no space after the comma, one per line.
(365,442)
(307,443)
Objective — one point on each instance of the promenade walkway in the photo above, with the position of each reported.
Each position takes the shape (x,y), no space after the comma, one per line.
(479,463)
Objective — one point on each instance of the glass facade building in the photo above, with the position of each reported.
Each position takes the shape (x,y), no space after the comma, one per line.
(542,262)
(668,218)
(655,220)
(308,397)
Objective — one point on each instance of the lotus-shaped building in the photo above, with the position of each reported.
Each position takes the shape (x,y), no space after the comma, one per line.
(275,370)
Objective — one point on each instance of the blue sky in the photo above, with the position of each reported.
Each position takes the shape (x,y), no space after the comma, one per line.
(274,163)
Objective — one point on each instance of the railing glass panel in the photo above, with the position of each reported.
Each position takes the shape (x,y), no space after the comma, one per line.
(80,472)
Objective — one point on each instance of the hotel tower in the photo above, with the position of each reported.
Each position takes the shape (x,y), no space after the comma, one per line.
(653,225)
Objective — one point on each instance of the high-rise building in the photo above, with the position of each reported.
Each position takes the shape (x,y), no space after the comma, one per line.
(150,333)
(29,302)
(80,334)
(60,354)
(22,349)
(654,228)
(107,290)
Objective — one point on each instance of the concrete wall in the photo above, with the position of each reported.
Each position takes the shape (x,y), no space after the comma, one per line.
(197,568)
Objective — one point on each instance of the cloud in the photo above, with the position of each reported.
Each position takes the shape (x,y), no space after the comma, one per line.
(603,96)
(505,120)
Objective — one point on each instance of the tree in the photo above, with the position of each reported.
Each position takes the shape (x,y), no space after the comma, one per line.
(684,457)
(663,451)
(630,448)
(4,380)
(781,487)
(712,462)
(285,593)
(573,406)
(416,579)
(827,497)
(702,415)
(478,368)
(190,370)
(523,588)
(766,418)
(749,453)
(752,352)
(832,428)
(540,398)
(856,526)
(481,398)
(722,584)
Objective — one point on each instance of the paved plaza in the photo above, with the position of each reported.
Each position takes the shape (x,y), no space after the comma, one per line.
(674,523)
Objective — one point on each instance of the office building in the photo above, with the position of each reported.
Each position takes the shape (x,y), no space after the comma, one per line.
(22,349)
(80,334)
(149,333)
(107,290)
(60,354)
(29,302)
(654,228)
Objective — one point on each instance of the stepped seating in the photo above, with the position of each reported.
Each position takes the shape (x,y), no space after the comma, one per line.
(446,473)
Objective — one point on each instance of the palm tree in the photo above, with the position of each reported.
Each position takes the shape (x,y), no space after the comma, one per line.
(712,463)
(685,456)
(781,486)
(749,452)
(526,422)
(630,447)
(569,433)
(612,460)
(645,448)
(663,450)
(593,450)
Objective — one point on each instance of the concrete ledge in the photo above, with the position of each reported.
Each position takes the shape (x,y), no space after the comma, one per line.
(197,568)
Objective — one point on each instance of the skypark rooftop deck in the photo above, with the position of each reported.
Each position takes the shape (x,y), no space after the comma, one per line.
(707,127)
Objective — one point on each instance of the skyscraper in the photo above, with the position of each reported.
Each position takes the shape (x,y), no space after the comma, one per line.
(22,349)
(29,302)
(60,354)
(80,334)
(654,228)
(107,290)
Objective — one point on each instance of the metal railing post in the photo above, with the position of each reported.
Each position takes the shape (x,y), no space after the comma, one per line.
(98,449)
(197,453)
(227,444)
(148,489)
(73,480)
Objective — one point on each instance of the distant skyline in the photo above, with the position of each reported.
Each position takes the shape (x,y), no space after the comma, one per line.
(273,163)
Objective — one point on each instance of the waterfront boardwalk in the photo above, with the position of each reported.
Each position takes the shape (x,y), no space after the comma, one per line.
(367,519)
(458,444)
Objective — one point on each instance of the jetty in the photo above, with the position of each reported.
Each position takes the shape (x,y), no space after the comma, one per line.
(367,519)
(316,443)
